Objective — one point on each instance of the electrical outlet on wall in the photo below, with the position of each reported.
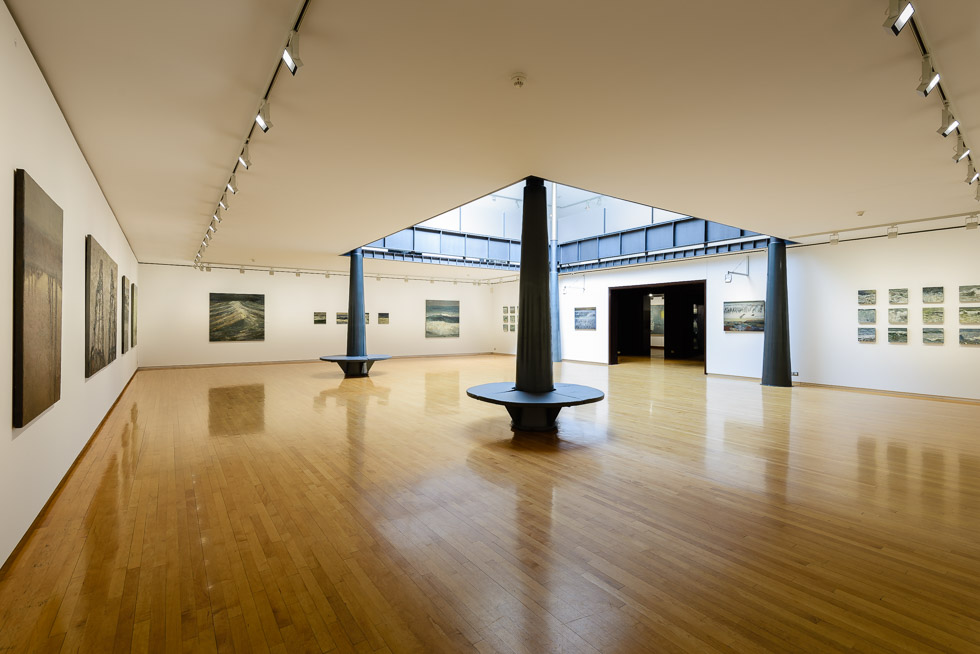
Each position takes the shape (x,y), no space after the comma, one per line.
(796,374)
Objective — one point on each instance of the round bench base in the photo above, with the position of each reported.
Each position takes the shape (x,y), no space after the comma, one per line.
(534,411)
(356,366)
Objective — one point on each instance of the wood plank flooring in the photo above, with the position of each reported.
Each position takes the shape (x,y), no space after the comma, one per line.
(281,508)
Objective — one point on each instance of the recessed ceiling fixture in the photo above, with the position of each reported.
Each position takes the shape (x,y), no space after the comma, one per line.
(243,158)
(264,121)
(232,184)
(290,56)
(899,12)
(929,79)
(962,152)
(518,80)
(949,123)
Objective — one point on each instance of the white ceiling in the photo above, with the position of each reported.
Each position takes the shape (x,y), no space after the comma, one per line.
(786,118)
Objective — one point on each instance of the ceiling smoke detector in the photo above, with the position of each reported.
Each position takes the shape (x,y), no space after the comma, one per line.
(518,80)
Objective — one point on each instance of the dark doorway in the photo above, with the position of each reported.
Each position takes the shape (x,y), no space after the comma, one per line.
(630,324)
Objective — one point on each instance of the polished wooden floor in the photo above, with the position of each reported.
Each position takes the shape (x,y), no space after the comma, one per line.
(282,508)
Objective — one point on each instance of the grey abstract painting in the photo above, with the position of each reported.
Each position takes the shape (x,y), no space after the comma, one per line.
(100,307)
(867,316)
(933,294)
(898,296)
(585,318)
(933,335)
(898,316)
(898,335)
(38,249)
(867,335)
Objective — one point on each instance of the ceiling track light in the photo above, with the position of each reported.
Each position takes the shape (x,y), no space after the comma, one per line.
(212,228)
(978,193)
(290,56)
(929,79)
(243,158)
(326,275)
(272,271)
(241,270)
(949,123)
(962,152)
(223,202)
(834,238)
(208,268)
(899,12)
(972,221)
(971,173)
(217,215)
(893,231)
(297,273)
(263,119)
(232,184)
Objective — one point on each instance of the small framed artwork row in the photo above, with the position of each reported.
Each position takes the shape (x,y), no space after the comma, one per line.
(931,315)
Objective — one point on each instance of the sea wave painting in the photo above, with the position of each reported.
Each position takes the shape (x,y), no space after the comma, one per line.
(969,315)
(933,335)
(933,294)
(898,335)
(585,318)
(867,316)
(237,317)
(898,296)
(933,315)
(442,318)
(745,316)
(970,293)
(867,297)
(867,334)
(970,337)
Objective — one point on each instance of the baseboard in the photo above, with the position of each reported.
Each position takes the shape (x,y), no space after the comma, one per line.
(4,569)
(913,396)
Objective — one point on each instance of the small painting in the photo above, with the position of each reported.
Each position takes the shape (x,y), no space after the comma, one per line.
(867,316)
(513,328)
(505,311)
(442,318)
(585,318)
(933,294)
(38,254)
(898,296)
(867,297)
(898,316)
(933,336)
(513,319)
(124,292)
(132,311)
(657,319)
(100,307)
(341,318)
(898,335)
(513,309)
(970,337)
(970,293)
(367,318)
(933,315)
(237,317)
(319,317)
(867,335)
(745,316)
(505,327)
(970,315)
(382,318)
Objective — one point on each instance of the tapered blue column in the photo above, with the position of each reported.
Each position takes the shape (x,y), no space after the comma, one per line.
(534,374)
(776,365)
(555,319)
(356,336)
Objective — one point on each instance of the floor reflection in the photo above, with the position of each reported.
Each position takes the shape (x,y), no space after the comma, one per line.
(897,455)
(777,411)
(354,395)
(441,392)
(248,416)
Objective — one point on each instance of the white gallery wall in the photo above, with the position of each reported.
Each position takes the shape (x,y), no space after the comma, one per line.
(174,302)
(34,136)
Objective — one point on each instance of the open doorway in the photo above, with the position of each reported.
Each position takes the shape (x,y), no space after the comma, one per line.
(638,313)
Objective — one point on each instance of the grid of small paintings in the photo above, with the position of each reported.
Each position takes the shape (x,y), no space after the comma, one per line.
(320,318)
(969,316)
(510,318)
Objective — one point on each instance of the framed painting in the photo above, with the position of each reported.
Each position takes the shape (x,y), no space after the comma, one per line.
(124,293)
(745,316)
(236,317)
(442,318)
(585,318)
(100,307)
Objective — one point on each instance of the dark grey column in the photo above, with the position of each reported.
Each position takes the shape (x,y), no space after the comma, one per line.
(553,286)
(356,338)
(534,374)
(776,366)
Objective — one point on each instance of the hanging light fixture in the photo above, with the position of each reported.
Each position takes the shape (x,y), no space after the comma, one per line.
(962,152)
(243,157)
(971,173)
(929,79)
(217,215)
(223,202)
(263,119)
(949,123)
(899,12)
(290,56)
(232,184)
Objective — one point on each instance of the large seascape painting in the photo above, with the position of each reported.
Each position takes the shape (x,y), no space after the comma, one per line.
(124,290)
(745,316)
(37,300)
(100,307)
(442,318)
(237,317)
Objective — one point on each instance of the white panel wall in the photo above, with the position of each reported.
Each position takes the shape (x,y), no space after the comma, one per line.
(34,136)
(173,314)
(823,285)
